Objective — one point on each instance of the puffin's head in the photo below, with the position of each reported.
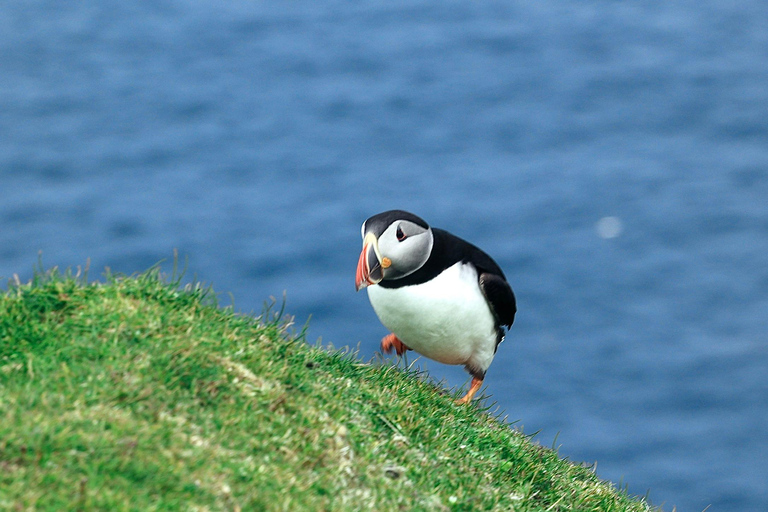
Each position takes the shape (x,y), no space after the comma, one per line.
(395,244)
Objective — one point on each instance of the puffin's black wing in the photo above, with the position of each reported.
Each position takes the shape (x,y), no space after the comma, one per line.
(499,294)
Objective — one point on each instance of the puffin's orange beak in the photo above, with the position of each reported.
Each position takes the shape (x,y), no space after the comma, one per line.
(369,269)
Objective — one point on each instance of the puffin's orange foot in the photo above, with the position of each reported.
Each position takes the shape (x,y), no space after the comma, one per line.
(473,389)
(390,341)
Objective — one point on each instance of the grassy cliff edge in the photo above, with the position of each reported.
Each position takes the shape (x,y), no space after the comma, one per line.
(134,394)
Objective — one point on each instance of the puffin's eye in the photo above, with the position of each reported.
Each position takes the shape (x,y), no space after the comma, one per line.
(400,235)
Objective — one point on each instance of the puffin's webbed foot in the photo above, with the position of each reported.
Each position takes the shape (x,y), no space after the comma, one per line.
(473,389)
(390,341)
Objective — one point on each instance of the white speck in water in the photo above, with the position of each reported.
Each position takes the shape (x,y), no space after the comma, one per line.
(609,227)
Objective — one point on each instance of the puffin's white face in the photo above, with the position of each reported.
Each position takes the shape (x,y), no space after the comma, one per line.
(392,249)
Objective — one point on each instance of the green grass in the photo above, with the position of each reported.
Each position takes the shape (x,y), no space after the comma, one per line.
(134,394)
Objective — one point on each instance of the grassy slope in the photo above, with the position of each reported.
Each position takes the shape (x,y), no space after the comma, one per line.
(132,395)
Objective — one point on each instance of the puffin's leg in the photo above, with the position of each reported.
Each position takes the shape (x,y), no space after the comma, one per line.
(473,389)
(390,341)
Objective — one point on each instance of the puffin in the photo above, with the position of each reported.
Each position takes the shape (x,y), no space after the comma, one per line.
(438,294)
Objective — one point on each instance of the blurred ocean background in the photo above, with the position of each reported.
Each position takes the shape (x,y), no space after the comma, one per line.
(611,156)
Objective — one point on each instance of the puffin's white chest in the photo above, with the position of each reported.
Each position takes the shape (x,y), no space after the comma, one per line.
(446,319)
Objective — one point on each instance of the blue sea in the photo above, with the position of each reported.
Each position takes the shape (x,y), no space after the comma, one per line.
(611,156)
